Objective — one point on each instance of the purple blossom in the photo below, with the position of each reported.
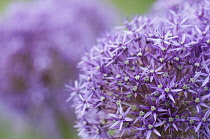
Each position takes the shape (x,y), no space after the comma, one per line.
(149,78)
(41,42)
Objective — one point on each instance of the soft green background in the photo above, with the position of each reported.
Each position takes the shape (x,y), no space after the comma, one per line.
(7,129)
(132,7)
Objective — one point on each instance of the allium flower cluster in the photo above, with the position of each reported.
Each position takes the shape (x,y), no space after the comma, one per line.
(41,42)
(148,79)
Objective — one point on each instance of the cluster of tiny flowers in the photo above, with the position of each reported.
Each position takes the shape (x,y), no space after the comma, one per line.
(148,79)
(41,42)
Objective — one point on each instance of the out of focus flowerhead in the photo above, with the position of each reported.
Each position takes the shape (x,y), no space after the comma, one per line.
(149,79)
(41,41)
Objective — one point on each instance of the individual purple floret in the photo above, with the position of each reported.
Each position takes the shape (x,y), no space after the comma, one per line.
(148,79)
(41,42)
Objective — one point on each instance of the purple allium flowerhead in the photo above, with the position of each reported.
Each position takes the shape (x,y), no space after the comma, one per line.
(162,6)
(41,42)
(148,79)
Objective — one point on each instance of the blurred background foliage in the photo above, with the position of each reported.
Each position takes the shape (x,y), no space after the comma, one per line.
(3,3)
(14,127)
(132,7)
(17,129)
